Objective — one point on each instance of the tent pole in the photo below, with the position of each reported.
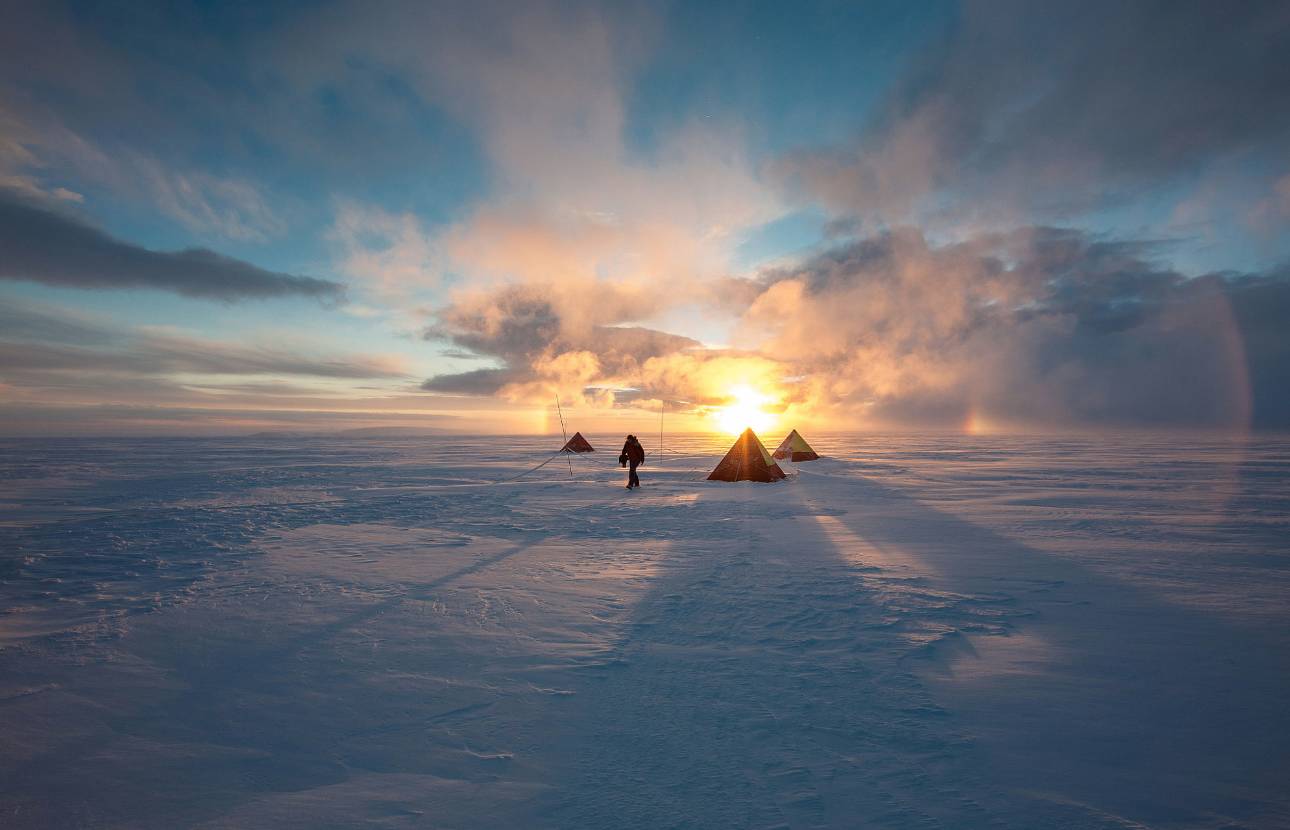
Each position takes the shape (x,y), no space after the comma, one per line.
(661,406)
(564,432)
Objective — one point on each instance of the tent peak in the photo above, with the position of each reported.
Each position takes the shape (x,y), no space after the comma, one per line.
(577,444)
(794,448)
(747,460)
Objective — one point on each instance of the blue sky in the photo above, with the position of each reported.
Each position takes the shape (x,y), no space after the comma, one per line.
(631,204)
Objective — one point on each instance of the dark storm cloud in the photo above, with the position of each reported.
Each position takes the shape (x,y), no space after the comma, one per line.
(46,246)
(1068,106)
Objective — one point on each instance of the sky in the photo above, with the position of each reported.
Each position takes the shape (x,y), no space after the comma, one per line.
(227,218)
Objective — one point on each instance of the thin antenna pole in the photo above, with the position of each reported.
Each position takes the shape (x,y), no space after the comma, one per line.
(662,404)
(564,432)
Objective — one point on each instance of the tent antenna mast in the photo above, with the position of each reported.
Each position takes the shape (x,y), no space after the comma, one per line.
(565,433)
(662,404)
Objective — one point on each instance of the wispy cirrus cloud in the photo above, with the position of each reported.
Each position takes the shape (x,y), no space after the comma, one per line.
(207,204)
(35,145)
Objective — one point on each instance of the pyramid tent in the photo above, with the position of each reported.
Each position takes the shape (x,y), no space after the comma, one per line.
(795,448)
(577,444)
(747,461)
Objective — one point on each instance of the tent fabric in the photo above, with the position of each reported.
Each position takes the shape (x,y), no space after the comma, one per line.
(747,460)
(795,448)
(577,444)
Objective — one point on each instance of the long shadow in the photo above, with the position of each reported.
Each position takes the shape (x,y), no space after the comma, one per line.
(775,676)
(779,674)
(764,682)
(1121,702)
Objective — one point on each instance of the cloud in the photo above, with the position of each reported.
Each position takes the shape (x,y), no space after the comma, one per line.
(232,208)
(602,209)
(27,323)
(35,342)
(1032,109)
(390,251)
(571,198)
(474,382)
(171,355)
(1271,214)
(43,245)
(36,145)
(1037,326)
(699,379)
(551,339)
(126,419)
(1030,327)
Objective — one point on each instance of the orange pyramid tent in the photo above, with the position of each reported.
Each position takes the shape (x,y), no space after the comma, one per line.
(577,444)
(747,461)
(795,448)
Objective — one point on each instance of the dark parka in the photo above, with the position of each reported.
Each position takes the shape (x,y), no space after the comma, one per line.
(633,453)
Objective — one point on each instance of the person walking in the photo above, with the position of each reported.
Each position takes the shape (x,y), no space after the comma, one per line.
(632,456)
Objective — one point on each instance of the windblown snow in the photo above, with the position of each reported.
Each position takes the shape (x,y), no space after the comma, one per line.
(926,631)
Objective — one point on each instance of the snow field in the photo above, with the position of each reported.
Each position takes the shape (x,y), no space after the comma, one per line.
(914,632)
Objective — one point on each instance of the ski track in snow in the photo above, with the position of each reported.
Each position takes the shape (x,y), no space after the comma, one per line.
(914,632)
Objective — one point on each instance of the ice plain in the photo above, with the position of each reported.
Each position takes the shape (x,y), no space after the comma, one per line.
(916,631)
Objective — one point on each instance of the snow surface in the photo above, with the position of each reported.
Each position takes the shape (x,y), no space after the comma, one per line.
(928,631)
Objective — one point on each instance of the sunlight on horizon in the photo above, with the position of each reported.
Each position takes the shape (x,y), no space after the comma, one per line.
(746,410)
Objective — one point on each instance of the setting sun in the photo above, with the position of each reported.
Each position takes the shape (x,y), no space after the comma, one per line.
(744,411)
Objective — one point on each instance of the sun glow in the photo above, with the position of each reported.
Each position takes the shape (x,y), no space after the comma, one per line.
(744,411)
